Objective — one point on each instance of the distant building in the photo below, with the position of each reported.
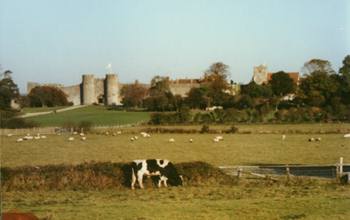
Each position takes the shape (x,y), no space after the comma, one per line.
(262,76)
(90,91)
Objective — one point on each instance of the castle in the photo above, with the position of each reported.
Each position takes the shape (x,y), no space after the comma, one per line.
(91,90)
(107,90)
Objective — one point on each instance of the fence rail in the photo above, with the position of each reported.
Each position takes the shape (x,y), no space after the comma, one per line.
(314,170)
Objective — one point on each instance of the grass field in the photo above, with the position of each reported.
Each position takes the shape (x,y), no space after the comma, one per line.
(234,149)
(254,201)
(249,199)
(98,115)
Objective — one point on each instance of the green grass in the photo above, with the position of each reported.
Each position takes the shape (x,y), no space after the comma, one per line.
(98,115)
(244,201)
(41,109)
(249,199)
(234,149)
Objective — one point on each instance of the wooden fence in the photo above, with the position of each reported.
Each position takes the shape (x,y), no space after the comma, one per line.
(336,171)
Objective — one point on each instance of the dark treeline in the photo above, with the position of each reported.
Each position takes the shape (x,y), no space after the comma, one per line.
(321,94)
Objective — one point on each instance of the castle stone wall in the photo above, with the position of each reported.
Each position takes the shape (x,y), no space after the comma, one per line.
(73,94)
(99,91)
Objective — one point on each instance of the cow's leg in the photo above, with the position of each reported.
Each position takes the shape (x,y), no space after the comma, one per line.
(133,179)
(139,179)
(160,182)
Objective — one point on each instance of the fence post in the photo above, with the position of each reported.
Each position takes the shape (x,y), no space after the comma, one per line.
(339,169)
(288,172)
(239,172)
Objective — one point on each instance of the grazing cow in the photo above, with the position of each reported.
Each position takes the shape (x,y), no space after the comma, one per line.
(164,170)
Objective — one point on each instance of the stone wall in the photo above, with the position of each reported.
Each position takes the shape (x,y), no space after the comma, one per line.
(73,93)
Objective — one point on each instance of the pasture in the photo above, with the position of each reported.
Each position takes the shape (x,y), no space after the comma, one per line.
(97,115)
(306,198)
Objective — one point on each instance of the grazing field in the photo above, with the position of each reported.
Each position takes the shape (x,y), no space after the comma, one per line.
(248,199)
(97,115)
(234,149)
(243,201)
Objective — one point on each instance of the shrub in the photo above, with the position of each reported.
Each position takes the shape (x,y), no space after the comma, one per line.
(232,130)
(18,123)
(205,129)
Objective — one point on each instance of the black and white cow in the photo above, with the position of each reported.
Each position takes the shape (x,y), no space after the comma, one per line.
(163,170)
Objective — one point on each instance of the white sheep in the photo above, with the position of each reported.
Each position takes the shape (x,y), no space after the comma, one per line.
(191,140)
(9,135)
(318,139)
(43,136)
(119,132)
(216,140)
(71,139)
(19,140)
(132,139)
(220,138)
(136,137)
(311,139)
(36,137)
(347,135)
(28,137)
(284,137)
(171,140)
(75,132)
(82,134)
(83,138)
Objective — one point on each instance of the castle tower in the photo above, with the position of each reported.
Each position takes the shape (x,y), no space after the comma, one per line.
(112,90)
(260,74)
(88,92)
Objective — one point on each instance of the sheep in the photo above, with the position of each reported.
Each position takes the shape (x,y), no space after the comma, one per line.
(191,140)
(318,139)
(71,139)
(114,134)
(220,138)
(19,140)
(43,136)
(83,138)
(36,137)
(28,137)
(347,135)
(119,132)
(311,139)
(9,135)
(82,134)
(171,140)
(75,132)
(216,140)
(136,137)
(107,133)
(132,139)
(283,137)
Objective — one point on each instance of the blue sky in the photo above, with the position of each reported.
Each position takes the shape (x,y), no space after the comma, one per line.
(59,40)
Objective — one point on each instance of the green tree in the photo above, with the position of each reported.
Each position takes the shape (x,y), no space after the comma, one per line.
(215,80)
(49,96)
(160,97)
(344,72)
(196,98)
(8,90)
(317,65)
(133,94)
(282,84)
(256,91)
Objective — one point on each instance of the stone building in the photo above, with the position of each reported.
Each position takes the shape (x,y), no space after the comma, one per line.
(262,76)
(90,91)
